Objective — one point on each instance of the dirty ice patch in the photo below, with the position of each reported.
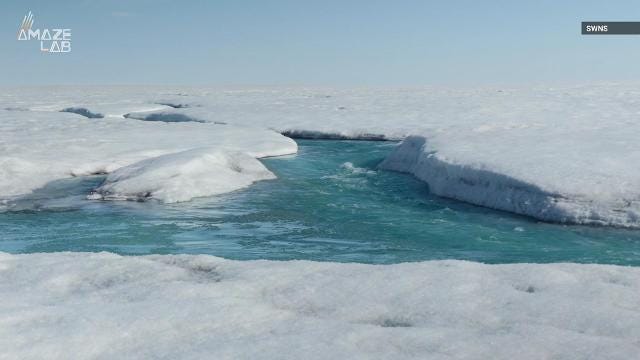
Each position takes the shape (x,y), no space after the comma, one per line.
(83,112)
(163,116)
(183,176)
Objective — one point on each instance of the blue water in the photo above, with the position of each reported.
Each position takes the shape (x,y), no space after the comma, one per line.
(320,208)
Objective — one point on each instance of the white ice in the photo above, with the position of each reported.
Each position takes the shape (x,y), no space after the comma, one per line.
(183,176)
(562,153)
(105,306)
(37,147)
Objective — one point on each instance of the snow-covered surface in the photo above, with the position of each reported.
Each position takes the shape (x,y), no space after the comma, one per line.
(104,306)
(590,178)
(37,147)
(564,153)
(559,154)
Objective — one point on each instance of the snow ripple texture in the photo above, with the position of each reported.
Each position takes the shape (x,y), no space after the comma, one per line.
(104,306)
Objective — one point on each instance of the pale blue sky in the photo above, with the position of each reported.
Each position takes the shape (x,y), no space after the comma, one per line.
(322,42)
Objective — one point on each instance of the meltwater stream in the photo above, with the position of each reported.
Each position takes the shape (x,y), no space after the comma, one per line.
(329,203)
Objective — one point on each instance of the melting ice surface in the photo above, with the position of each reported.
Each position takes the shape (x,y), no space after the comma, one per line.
(329,203)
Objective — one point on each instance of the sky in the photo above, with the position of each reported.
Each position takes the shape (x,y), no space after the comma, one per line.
(321,42)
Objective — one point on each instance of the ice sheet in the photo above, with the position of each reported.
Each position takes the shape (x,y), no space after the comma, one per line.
(81,306)
(558,153)
(37,147)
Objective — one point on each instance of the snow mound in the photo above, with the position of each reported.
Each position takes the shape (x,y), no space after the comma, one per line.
(39,147)
(523,176)
(183,176)
(86,306)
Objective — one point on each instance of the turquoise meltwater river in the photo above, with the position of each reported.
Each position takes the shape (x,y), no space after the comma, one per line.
(329,203)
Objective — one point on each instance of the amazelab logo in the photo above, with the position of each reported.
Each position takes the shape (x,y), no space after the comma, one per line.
(52,41)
